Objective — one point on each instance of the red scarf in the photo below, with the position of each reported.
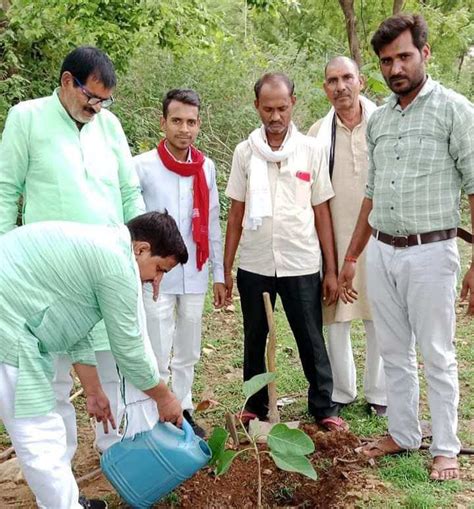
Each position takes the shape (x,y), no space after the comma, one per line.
(200,225)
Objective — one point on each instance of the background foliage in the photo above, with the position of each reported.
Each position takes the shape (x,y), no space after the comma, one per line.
(217,47)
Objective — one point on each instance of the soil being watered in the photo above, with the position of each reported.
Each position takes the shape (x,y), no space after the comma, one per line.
(343,478)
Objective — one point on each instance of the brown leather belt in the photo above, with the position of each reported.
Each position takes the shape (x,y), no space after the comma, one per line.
(421,238)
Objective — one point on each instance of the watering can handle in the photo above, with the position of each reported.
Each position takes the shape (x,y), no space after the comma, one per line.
(188,432)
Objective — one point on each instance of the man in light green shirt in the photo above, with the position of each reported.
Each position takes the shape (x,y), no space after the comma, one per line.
(58,280)
(421,152)
(69,159)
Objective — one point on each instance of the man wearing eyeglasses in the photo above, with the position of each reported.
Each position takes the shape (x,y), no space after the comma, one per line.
(69,159)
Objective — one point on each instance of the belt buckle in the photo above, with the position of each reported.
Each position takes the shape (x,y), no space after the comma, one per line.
(401,241)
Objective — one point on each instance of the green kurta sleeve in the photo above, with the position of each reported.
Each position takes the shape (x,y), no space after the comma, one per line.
(118,302)
(13,168)
(132,201)
(83,352)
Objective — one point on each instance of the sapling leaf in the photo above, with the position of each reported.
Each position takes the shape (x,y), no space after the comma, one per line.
(256,383)
(290,463)
(217,443)
(285,441)
(224,461)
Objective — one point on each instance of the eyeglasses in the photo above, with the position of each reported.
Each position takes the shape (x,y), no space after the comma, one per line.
(93,100)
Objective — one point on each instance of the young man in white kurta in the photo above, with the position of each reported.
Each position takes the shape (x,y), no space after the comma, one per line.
(350,112)
(174,321)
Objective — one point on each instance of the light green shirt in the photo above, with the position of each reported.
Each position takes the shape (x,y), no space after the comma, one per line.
(64,173)
(57,281)
(419,157)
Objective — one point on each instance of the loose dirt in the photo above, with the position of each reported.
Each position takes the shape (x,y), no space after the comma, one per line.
(343,479)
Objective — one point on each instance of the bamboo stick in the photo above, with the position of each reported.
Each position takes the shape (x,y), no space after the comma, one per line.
(273,414)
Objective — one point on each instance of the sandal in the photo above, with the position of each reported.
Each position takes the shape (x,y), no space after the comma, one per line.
(438,473)
(334,423)
(245,416)
(379,448)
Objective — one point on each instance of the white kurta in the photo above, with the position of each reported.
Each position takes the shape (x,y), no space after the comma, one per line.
(348,180)
(164,189)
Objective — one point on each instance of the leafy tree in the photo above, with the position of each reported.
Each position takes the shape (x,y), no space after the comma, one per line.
(37,34)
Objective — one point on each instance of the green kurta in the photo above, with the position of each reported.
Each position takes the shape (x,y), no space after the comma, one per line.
(64,173)
(57,281)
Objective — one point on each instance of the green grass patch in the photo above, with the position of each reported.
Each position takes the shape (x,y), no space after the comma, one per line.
(410,473)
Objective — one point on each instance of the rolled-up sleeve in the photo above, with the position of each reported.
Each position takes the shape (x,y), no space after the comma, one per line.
(118,301)
(83,352)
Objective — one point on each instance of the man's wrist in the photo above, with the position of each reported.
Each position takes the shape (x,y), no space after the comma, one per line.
(350,259)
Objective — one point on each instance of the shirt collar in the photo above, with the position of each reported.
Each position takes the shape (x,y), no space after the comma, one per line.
(189,158)
(425,90)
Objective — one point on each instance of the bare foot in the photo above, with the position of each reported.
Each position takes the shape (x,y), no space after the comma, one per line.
(444,469)
(381,447)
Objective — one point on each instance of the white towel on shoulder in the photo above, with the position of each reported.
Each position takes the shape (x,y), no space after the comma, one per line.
(260,200)
(324,134)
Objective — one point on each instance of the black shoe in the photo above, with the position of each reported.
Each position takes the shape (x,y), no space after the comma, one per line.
(92,503)
(200,432)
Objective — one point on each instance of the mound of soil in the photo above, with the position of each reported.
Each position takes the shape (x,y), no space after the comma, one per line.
(339,478)
(342,479)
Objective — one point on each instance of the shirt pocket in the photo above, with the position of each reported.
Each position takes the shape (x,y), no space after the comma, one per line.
(424,154)
(302,187)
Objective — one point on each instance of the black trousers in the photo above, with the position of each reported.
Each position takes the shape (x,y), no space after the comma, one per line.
(301,298)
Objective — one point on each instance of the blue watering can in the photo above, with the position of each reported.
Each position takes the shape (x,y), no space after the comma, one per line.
(145,468)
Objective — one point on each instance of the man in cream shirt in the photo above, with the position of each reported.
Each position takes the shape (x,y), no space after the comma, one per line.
(342,133)
(279,189)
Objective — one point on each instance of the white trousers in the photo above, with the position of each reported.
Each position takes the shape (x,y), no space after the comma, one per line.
(174,323)
(62,385)
(412,293)
(343,367)
(40,446)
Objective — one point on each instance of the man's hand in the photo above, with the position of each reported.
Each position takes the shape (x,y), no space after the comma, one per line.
(229,285)
(98,406)
(329,289)
(467,290)
(219,290)
(346,276)
(170,409)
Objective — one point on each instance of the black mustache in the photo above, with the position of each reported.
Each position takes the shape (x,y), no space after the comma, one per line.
(396,78)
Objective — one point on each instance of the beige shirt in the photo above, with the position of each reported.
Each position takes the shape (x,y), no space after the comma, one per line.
(349,180)
(286,244)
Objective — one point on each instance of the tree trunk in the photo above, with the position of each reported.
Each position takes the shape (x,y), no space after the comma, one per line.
(347,7)
(397,6)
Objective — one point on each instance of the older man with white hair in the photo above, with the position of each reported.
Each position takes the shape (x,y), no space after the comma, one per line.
(342,133)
